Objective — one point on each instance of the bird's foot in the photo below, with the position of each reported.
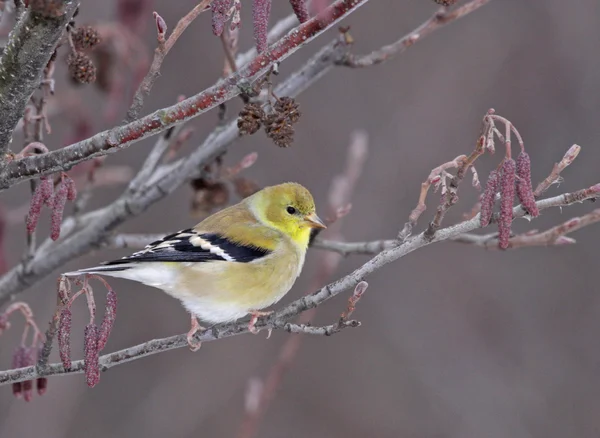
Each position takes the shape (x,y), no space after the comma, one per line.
(254,315)
(196,327)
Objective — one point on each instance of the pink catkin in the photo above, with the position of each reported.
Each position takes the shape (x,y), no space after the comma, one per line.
(58,207)
(488,198)
(18,359)
(41,383)
(28,360)
(64,337)
(110,313)
(47,189)
(71,189)
(300,9)
(261,9)
(35,209)
(507,196)
(90,361)
(524,188)
(220,9)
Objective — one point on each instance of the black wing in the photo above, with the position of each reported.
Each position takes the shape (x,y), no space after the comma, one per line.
(191,246)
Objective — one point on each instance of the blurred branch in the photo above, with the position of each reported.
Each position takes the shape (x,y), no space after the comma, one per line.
(123,136)
(29,48)
(160,53)
(280,319)
(438,20)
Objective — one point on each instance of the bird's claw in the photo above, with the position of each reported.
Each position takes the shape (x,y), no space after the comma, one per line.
(254,315)
(196,327)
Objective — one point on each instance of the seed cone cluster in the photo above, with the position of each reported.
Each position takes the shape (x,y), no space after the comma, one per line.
(278,124)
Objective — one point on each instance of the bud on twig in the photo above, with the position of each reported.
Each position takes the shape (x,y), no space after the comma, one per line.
(90,361)
(64,338)
(161,27)
(507,195)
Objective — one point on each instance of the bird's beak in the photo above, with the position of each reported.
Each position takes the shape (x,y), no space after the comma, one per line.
(314,221)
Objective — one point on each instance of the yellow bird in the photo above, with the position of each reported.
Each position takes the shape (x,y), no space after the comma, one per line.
(238,261)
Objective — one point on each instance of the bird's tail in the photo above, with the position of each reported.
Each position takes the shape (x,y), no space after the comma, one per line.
(111,270)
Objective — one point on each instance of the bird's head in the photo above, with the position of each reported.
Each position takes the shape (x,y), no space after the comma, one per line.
(289,208)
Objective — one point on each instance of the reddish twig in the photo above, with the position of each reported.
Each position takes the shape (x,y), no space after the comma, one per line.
(554,176)
(435,177)
(450,197)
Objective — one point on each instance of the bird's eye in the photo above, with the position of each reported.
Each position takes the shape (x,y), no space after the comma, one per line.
(291,210)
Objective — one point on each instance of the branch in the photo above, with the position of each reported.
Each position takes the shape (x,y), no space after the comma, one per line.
(554,176)
(280,318)
(123,136)
(159,56)
(438,20)
(29,48)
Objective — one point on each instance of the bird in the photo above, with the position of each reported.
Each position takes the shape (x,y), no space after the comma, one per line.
(238,261)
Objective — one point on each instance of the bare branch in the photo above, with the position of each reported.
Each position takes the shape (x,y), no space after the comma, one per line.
(554,176)
(280,318)
(160,53)
(438,20)
(27,53)
(436,177)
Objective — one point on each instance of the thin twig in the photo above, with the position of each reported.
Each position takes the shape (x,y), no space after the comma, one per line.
(450,197)
(554,176)
(442,17)
(435,177)
(160,53)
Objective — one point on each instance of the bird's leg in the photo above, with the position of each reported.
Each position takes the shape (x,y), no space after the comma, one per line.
(196,327)
(254,315)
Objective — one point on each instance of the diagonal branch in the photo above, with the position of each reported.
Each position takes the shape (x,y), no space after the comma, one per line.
(30,46)
(280,318)
(438,20)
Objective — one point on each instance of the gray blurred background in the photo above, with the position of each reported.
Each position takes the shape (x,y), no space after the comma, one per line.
(456,341)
